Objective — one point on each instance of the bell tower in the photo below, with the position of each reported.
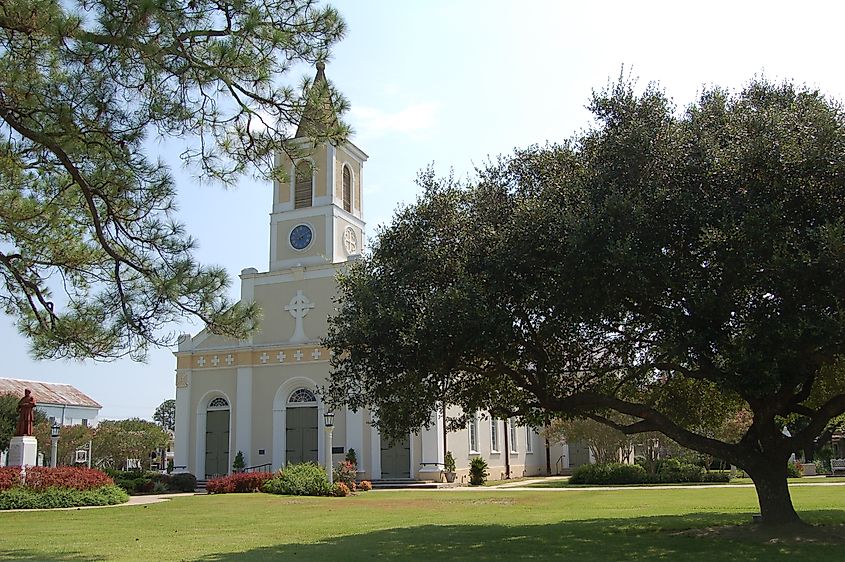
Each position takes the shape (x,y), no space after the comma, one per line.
(317,215)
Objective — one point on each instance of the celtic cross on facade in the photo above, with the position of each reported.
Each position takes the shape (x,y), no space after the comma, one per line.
(298,308)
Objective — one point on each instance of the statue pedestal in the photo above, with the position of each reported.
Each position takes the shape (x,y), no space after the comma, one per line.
(23,450)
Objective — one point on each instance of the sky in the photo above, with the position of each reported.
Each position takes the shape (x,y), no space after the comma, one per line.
(453,84)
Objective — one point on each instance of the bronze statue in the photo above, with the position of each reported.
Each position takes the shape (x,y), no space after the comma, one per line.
(26,414)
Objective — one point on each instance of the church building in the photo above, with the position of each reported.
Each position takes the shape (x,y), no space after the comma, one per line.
(258,396)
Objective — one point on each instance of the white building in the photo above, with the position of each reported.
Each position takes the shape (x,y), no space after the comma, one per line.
(257,396)
(63,403)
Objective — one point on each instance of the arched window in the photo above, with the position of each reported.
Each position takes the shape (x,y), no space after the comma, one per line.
(347,189)
(302,187)
(302,396)
(218,403)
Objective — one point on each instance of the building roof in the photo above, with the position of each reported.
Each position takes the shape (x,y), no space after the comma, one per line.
(318,107)
(49,393)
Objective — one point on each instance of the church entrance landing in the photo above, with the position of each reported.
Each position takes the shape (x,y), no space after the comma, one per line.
(301,428)
(396,459)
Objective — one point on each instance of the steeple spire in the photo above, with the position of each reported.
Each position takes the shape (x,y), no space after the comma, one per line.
(319,110)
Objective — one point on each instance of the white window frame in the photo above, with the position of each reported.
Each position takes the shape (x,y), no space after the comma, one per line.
(494,436)
(512,428)
(473,435)
(529,441)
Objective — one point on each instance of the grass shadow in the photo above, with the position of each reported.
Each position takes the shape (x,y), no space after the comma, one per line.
(32,554)
(644,538)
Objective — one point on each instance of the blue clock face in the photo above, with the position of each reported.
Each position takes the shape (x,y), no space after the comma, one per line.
(301,236)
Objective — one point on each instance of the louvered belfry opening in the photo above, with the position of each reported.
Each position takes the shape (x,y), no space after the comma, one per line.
(303,187)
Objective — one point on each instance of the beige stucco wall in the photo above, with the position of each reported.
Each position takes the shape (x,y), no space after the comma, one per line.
(277,324)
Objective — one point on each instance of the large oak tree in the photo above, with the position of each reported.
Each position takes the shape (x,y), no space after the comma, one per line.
(92,260)
(674,267)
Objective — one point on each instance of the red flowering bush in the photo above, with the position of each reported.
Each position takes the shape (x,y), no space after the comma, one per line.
(365,486)
(39,478)
(238,483)
(346,472)
(10,476)
(340,490)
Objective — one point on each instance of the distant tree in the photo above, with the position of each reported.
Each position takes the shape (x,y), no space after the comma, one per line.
(671,267)
(71,439)
(606,443)
(115,441)
(165,414)
(85,211)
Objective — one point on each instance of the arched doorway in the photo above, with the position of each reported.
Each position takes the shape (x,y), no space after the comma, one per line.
(301,427)
(217,438)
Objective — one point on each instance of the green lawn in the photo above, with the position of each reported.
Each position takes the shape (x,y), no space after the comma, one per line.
(438,525)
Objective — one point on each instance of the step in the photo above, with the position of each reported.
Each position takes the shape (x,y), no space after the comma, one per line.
(408,484)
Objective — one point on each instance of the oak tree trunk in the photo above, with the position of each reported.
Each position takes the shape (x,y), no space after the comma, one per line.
(773,493)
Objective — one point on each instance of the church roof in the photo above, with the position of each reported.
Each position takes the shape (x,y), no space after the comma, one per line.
(318,107)
(49,392)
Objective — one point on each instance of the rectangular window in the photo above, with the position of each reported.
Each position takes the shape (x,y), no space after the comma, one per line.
(494,435)
(529,440)
(473,434)
(512,429)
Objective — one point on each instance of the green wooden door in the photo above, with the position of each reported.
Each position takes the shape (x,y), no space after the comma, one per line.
(301,435)
(216,443)
(396,458)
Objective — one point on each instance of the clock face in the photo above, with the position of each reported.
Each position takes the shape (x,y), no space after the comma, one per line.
(350,241)
(300,236)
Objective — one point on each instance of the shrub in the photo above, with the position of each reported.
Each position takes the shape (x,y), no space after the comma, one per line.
(340,490)
(306,479)
(673,470)
(238,483)
(794,470)
(238,464)
(478,471)
(345,472)
(449,462)
(40,478)
(351,457)
(716,477)
(609,473)
(182,482)
(365,486)
(10,476)
(25,498)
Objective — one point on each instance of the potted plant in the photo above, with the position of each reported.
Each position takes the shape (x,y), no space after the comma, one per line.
(449,467)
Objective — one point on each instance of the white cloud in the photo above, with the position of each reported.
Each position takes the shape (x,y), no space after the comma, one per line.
(372,122)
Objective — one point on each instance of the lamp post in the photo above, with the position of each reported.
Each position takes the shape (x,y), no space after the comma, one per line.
(54,443)
(328,417)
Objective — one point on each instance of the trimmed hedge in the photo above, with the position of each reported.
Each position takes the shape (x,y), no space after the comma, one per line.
(25,498)
(238,483)
(137,482)
(40,478)
(668,471)
(306,479)
(10,476)
(610,473)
